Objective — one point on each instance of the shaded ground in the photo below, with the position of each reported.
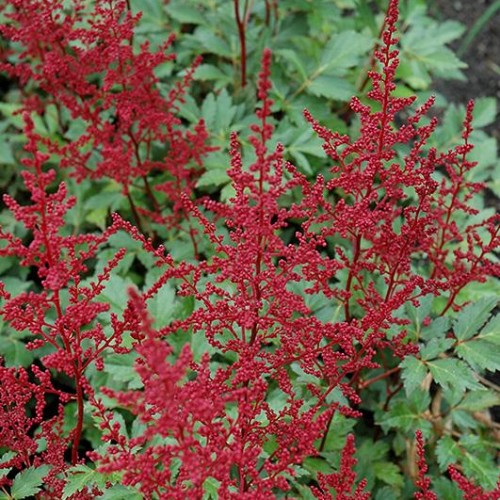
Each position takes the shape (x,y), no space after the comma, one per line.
(482,56)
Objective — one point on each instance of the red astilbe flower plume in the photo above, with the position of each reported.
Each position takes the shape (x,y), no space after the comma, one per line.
(422,482)
(17,391)
(391,220)
(342,482)
(61,313)
(220,420)
(470,490)
(112,114)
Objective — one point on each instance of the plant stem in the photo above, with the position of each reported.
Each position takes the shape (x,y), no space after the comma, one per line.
(241,24)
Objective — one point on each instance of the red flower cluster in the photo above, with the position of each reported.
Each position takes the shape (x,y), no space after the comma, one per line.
(108,103)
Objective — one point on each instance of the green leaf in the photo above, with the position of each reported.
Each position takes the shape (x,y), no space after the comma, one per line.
(491,331)
(211,43)
(216,177)
(414,372)
(438,328)
(483,470)
(120,492)
(316,464)
(14,352)
(485,111)
(208,110)
(292,57)
(480,354)
(162,306)
(446,489)
(435,347)
(472,317)
(115,293)
(389,473)
(331,87)
(209,72)
(121,369)
(387,493)
(453,374)
(81,476)
(343,51)
(447,452)
(28,482)
(479,400)
(407,414)
(211,487)
(185,13)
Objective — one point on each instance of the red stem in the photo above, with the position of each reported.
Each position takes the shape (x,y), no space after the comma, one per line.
(241,24)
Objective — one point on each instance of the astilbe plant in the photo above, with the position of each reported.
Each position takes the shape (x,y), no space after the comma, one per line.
(390,213)
(380,231)
(218,421)
(60,315)
(82,61)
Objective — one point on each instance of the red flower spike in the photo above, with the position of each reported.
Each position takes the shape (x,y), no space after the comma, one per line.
(342,482)
(63,313)
(83,59)
(470,490)
(423,482)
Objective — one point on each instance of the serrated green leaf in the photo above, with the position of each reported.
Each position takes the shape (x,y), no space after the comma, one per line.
(479,354)
(464,420)
(388,473)
(485,111)
(215,177)
(447,452)
(4,471)
(6,457)
(435,347)
(446,489)
(343,51)
(479,400)
(418,314)
(470,319)
(28,482)
(453,373)
(162,306)
(414,372)
(407,414)
(81,476)
(209,72)
(121,368)
(120,492)
(438,328)
(208,110)
(185,13)
(332,88)
(115,293)
(14,352)
(491,331)
(294,59)
(484,471)
(316,464)
(387,493)
(210,42)
(211,487)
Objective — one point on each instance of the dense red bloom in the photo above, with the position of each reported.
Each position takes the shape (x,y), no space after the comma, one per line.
(423,482)
(470,490)
(61,314)
(342,482)
(108,101)
(255,392)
